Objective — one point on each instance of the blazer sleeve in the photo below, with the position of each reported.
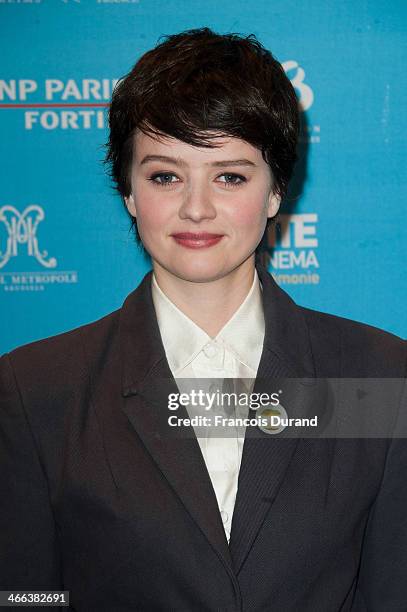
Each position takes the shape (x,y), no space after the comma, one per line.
(382,583)
(29,556)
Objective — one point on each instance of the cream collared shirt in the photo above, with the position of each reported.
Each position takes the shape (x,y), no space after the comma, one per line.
(234,353)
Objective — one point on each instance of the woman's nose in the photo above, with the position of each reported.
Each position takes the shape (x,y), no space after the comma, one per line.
(197,203)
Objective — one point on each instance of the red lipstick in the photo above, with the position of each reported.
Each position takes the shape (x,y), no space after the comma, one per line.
(192,240)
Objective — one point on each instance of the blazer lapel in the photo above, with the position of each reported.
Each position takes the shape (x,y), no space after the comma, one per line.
(286,355)
(146,383)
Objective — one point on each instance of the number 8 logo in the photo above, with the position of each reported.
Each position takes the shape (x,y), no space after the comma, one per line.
(306,95)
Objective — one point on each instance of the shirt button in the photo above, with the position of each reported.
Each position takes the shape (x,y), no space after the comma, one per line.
(224,516)
(210,350)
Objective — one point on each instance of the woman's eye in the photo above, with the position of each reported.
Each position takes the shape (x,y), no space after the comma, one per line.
(165,178)
(233,180)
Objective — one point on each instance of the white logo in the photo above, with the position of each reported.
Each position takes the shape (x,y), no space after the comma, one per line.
(306,95)
(22,229)
(293,244)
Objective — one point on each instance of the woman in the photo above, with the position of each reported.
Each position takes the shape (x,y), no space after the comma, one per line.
(101,496)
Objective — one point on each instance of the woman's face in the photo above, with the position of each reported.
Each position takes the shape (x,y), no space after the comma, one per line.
(200,212)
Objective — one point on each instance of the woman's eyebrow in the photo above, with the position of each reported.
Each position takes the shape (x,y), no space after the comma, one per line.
(177,161)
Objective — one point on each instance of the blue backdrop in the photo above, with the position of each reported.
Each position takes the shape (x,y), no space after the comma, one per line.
(66,255)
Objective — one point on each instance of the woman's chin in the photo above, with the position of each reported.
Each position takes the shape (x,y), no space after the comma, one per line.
(198,272)
(200,275)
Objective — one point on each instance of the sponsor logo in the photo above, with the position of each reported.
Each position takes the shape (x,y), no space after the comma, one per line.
(293,249)
(310,133)
(22,229)
(56,104)
(21,239)
(304,91)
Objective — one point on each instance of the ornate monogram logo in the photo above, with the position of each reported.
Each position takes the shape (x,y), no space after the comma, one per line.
(22,229)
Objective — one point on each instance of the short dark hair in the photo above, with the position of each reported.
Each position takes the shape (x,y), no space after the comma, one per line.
(196,85)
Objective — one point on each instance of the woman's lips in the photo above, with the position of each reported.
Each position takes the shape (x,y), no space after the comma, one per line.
(195,240)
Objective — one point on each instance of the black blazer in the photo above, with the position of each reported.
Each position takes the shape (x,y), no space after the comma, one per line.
(99,497)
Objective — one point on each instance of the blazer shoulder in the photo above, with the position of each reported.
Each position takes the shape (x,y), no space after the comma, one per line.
(61,360)
(365,350)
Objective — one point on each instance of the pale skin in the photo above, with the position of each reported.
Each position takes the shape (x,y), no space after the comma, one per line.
(228,191)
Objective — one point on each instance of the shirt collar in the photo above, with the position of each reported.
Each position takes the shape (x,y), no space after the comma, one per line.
(183,339)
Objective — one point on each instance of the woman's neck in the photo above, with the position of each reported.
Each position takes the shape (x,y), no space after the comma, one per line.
(209,305)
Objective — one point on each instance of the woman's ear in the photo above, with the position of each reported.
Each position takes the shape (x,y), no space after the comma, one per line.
(274,201)
(131,207)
